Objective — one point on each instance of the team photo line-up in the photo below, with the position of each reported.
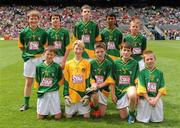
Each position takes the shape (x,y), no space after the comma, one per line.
(104,62)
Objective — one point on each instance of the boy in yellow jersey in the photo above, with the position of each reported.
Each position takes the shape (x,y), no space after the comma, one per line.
(59,38)
(32,40)
(87,31)
(137,40)
(76,75)
(48,77)
(100,79)
(151,87)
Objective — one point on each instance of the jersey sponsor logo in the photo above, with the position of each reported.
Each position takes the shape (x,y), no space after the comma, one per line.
(99,79)
(57,44)
(86,38)
(136,50)
(34,45)
(46,82)
(111,45)
(124,79)
(77,79)
(151,87)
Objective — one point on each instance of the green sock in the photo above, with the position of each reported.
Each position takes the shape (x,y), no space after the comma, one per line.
(132,113)
(26,100)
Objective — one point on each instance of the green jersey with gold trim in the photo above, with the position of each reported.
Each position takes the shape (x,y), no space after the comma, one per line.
(151,82)
(100,72)
(59,38)
(48,77)
(32,42)
(112,39)
(124,75)
(138,43)
(89,33)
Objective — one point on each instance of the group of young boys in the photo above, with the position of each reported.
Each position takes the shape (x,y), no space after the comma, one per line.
(101,60)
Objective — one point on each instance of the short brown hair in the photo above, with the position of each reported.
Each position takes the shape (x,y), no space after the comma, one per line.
(136,20)
(147,52)
(33,13)
(126,45)
(51,49)
(100,45)
(85,7)
(55,14)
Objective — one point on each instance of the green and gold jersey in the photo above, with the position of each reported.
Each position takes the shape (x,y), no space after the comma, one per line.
(138,43)
(59,38)
(89,33)
(32,42)
(77,79)
(151,82)
(48,77)
(100,72)
(112,39)
(124,75)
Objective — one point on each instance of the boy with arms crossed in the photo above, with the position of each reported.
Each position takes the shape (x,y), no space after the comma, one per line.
(137,40)
(32,40)
(124,73)
(76,75)
(59,38)
(150,88)
(48,78)
(87,31)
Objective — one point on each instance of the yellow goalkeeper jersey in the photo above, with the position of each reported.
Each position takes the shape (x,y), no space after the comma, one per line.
(76,74)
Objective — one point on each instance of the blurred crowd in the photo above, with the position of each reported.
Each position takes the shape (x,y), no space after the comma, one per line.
(13,18)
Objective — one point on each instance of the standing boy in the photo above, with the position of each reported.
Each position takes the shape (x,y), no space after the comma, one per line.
(48,77)
(76,75)
(87,31)
(59,38)
(31,42)
(137,40)
(124,73)
(112,36)
(150,88)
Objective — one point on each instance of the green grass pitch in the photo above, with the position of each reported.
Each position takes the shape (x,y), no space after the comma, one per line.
(12,85)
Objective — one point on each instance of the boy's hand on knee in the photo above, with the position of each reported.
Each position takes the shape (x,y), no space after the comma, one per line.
(85,100)
(68,101)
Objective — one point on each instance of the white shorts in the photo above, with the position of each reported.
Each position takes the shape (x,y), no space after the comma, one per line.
(102,98)
(146,112)
(30,66)
(78,107)
(49,104)
(123,102)
(58,59)
(141,65)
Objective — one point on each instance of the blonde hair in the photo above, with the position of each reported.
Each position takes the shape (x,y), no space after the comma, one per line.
(136,20)
(51,49)
(85,7)
(33,13)
(79,43)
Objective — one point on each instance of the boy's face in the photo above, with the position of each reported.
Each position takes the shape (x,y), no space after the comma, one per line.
(33,20)
(149,60)
(78,50)
(111,20)
(86,13)
(134,27)
(100,53)
(126,53)
(55,20)
(49,55)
